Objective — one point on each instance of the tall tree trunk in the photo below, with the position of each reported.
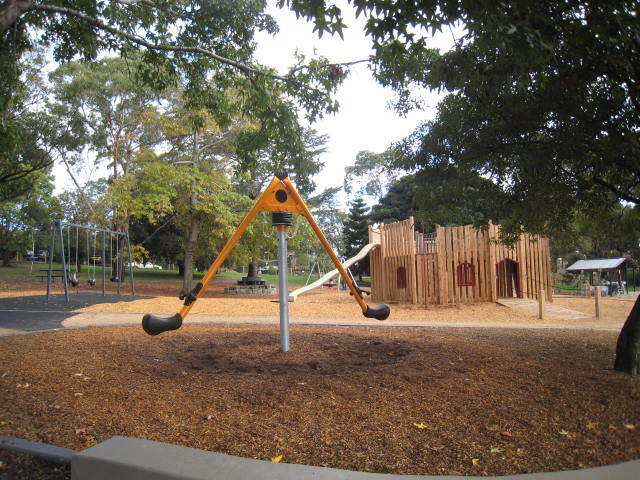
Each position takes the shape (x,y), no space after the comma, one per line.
(189,247)
(194,228)
(628,347)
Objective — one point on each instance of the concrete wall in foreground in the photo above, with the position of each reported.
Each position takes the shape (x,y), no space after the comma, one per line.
(126,458)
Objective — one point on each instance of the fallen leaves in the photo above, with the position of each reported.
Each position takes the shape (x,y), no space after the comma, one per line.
(507,425)
(591,426)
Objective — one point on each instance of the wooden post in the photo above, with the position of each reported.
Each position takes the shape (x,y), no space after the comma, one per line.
(541,305)
(597,297)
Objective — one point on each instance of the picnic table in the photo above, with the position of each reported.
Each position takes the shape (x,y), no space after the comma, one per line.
(55,273)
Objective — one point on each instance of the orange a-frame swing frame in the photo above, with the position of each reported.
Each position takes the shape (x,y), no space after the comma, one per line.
(279,196)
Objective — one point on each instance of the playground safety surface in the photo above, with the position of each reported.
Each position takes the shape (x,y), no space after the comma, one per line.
(441,400)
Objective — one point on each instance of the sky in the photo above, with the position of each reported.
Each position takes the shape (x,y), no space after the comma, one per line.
(365,120)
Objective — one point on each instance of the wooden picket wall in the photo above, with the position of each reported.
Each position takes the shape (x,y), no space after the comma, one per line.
(463,245)
(431,264)
(427,279)
(398,254)
(533,256)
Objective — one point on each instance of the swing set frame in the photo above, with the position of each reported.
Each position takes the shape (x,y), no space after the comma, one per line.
(57,227)
(280,196)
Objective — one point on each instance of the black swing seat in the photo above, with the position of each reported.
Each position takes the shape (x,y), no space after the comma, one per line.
(155,325)
(73,280)
(381,312)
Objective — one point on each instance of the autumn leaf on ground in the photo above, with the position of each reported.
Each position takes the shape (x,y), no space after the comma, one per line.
(591,425)
(505,433)
(628,426)
(564,432)
(495,450)
(420,425)
(276,459)
(80,431)
(476,462)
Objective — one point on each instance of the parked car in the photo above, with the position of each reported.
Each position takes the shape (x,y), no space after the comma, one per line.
(32,256)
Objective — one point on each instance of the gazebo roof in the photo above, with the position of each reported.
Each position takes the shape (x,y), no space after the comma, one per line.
(597,264)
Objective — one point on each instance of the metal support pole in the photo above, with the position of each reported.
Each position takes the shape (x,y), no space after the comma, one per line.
(133,288)
(64,266)
(283,288)
(52,244)
(104,277)
(118,273)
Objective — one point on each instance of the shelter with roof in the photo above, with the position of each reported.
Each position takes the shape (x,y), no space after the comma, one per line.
(610,272)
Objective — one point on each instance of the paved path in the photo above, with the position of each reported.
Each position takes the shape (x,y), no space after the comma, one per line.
(12,321)
(35,314)
(531,306)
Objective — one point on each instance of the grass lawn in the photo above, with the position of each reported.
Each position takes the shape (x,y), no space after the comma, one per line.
(26,271)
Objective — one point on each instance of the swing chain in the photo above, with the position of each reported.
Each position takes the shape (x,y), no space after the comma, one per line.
(266,221)
(294,232)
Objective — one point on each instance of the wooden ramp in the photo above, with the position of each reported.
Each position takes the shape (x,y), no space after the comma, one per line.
(531,306)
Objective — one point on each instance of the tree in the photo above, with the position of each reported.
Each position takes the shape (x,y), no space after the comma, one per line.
(545,100)
(23,156)
(99,107)
(545,94)
(398,203)
(329,217)
(22,216)
(205,47)
(356,233)
(370,174)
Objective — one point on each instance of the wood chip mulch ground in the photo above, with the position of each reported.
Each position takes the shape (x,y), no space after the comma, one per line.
(457,401)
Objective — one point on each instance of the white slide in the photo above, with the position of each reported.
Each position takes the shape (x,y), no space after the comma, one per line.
(361,254)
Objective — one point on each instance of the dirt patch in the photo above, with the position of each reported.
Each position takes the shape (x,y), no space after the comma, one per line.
(611,307)
(402,400)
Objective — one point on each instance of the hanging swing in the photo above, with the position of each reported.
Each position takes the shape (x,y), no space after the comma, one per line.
(92,274)
(115,275)
(71,276)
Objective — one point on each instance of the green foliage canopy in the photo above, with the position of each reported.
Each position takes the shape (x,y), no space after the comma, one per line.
(544,95)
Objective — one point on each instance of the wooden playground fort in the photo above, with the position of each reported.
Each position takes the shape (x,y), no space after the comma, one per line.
(455,265)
